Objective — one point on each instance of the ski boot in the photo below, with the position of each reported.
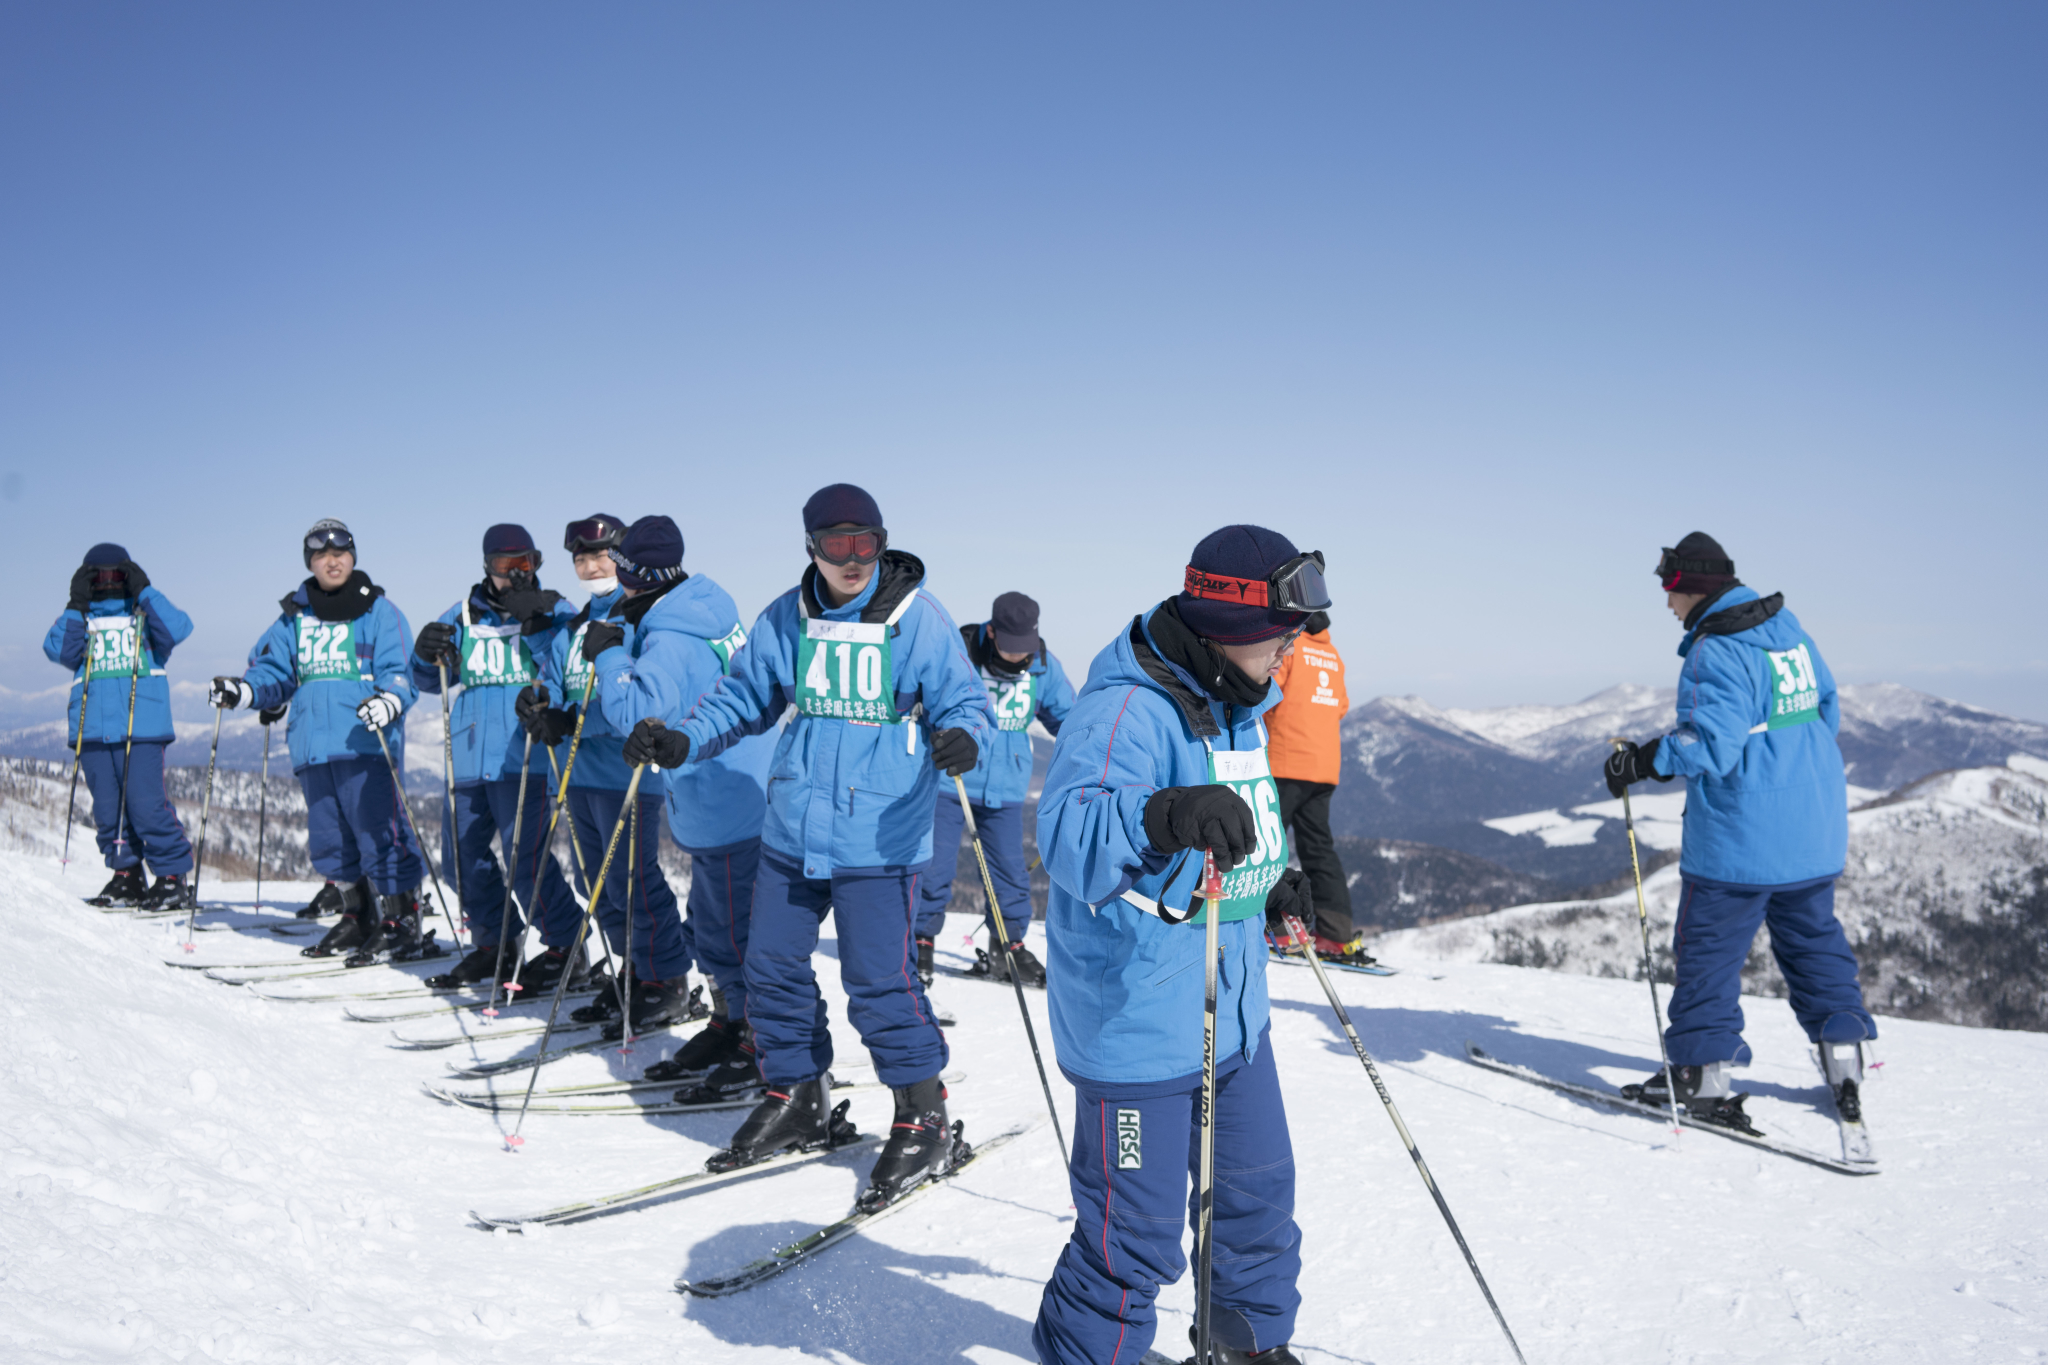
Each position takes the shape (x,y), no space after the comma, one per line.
(326,901)
(1351,954)
(649,1005)
(788,1116)
(920,1145)
(738,1077)
(924,959)
(718,1042)
(1842,1064)
(997,966)
(543,973)
(358,907)
(1219,1354)
(168,893)
(396,934)
(126,887)
(482,964)
(1703,1091)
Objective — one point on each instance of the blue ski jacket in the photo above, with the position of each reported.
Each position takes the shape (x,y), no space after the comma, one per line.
(848,793)
(1040,692)
(164,627)
(676,650)
(483,724)
(598,767)
(289,661)
(1124,987)
(1766,797)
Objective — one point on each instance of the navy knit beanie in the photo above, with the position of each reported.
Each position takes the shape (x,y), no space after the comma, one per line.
(509,538)
(106,552)
(1696,564)
(841,504)
(650,555)
(1238,552)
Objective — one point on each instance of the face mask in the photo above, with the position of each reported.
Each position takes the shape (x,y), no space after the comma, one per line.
(600,586)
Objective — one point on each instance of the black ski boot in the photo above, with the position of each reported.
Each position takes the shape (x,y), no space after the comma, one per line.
(997,966)
(737,1077)
(168,893)
(543,973)
(717,1042)
(326,901)
(1703,1091)
(357,912)
(1219,1354)
(126,887)
(1842,1064)
(396,934)
(650,1005)
(798,1115)
(920,1144)
(482,964)
(924,959)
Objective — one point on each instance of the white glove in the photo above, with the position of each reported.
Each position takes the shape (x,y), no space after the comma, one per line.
(229,693)
(378,710)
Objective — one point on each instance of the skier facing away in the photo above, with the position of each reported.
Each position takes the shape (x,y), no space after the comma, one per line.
(1164,756)
(116,634)
(489,644)
(1766,833)
(340,653)
(874,667)
(1025,683)
(1308,762)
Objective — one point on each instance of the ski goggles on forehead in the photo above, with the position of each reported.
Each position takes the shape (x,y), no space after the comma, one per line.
(848,544)
(1296,585)
(1670,565)
(332,539)
(592,533)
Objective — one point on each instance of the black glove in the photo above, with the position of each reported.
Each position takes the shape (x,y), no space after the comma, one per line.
(548,725)
(81,589)
(1290,896)
(653,742)
(1211,817)
(1630,764)
(532,608)
(600,636)
(955,751)
(137,579)
(271,715)
(436,643)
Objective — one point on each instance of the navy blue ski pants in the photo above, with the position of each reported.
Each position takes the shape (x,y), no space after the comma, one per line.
(871,910)
(354,827)
(488,810)
(721,913)
(1002,843)
(1717,922)
(1136,1163)
(636,893)
(151,829)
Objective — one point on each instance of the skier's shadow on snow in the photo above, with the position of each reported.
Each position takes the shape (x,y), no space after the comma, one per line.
(864,1302)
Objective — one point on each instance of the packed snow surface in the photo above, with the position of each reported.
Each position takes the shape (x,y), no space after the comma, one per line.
(194,1173)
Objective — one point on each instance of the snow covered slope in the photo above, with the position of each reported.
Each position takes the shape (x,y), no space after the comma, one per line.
(195,1174)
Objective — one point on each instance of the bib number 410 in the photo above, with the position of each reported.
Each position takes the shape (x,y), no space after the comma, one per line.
(858,671)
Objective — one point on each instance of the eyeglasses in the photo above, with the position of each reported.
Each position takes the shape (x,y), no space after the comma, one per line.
(592,533)
(505,566)
(848,544)
(1296,585)
(333,538)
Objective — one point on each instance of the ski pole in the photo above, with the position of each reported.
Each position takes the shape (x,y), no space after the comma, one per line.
(1205,1195)
(619,980)
(78,751)
(448,787)
(576,853)
(1628,818)
(205,808)
(397,780)
(505,917)
(262,812)
(128,745)
(1299,933)
(995,912)
(514,1141)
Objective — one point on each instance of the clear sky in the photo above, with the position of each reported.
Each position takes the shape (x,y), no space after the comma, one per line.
(1487,302)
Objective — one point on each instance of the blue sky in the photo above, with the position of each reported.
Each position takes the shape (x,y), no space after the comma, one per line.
(1486,301)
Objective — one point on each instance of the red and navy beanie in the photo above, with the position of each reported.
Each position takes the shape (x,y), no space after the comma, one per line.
(840,504)
(1246,554)
(1696,564)
(650,555)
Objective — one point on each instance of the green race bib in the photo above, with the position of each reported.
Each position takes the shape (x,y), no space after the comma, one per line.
(1795,690)
(575,668)
(729,644)
(112,642)
(327,651)
(496,656)
(1246,772)
(843,670)
(1014,700)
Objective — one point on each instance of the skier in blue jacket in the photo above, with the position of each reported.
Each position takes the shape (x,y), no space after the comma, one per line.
(340,654)
(116,635)
(1025,683)
(1766,833)
(489,644)
(1162,757)
(874,667)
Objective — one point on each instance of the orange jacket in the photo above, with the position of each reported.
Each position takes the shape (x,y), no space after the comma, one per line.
(1302,729)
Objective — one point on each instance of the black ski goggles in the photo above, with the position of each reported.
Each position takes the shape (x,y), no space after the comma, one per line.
(1670,566)
(333,538)
(593,534)
(1296,585)
(847,544)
